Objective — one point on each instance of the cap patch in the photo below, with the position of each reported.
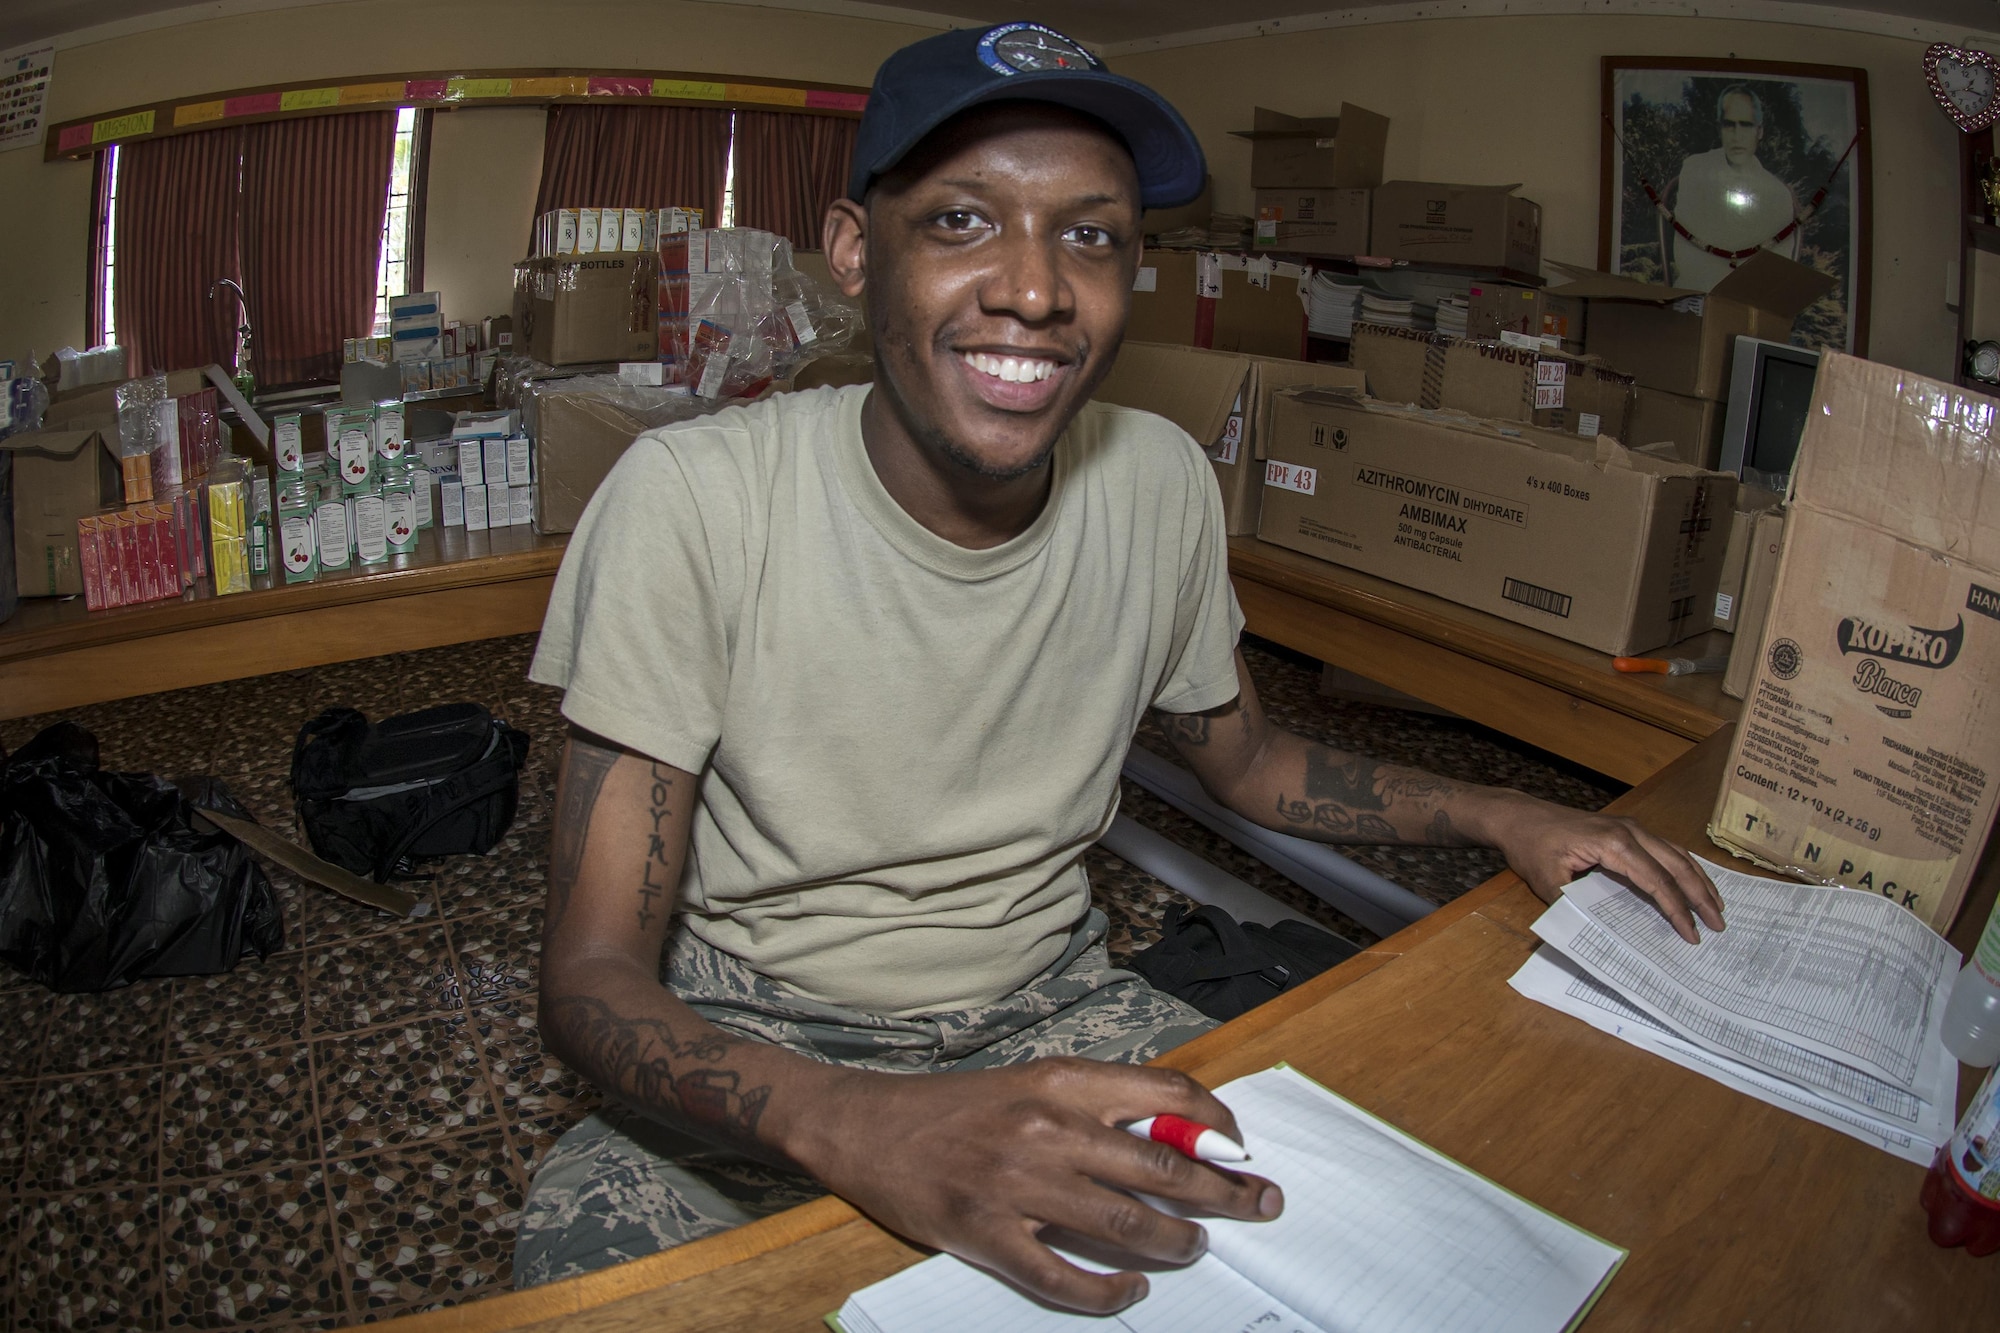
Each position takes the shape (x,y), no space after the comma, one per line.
(1030,48)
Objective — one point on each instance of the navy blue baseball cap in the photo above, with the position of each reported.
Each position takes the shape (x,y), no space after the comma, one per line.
(927,83)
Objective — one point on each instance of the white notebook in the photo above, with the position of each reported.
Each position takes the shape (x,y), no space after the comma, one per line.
(1380,1234)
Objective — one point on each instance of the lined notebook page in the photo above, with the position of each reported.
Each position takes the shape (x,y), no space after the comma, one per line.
(1380,1234)
(1383,1234)
(944,1293)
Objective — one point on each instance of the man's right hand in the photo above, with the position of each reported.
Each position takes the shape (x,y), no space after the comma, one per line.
(980,1163)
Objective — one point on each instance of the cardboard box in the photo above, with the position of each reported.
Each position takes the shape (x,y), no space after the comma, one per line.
(1223,400)
(579,436)
(1580,538)
(59,476)
(1750,502)
(1241,315)
(96,407)
(1692,426)
(1316,152)
(1753,602)
(1477,226)
(1494,308)
(1538,387)
(1866,751)
(1313,222)
(580,309)
(1680,340)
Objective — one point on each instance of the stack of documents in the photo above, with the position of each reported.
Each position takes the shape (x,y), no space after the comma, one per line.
(1225,231)
(1828,1003)
(1397,312)
(1380,1234)
(1451,315)
(1334,304)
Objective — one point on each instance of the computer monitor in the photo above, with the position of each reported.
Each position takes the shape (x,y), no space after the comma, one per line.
(1770,392)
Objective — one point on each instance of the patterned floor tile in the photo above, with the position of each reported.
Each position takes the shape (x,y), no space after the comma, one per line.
(426,1227)
(107,1030)
(24,1024)
(258,1006)
(329,919)
(500,952)
(16,1103)
(249,1249)
(90,1129)
(381,979)
(529,1081)
(89,1260)
(238,1111)
(399,1085)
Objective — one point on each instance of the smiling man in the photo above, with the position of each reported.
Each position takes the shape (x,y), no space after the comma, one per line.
(852,674)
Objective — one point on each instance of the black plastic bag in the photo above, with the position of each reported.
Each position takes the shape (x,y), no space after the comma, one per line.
(377,798)
(1224,968)
(109,877)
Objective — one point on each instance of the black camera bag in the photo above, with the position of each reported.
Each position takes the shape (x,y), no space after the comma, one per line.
(377,798)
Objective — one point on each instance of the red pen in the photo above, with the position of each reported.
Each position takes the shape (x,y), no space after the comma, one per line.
(1189,1137)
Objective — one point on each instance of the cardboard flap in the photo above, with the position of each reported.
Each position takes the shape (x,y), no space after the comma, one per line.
(1267,125)
(1194,388)
(1772,282)
(61,445)
(1595,284)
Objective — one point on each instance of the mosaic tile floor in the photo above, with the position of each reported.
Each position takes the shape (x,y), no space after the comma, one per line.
(344,1131)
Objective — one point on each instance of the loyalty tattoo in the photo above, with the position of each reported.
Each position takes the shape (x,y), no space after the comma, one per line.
(655,884)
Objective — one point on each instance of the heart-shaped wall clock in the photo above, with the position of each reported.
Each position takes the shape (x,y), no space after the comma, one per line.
(1965,83)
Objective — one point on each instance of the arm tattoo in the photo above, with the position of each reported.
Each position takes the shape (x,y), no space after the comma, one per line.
(1187,730)
(646,1063)
(653,881)
(1350,799)
(585,767)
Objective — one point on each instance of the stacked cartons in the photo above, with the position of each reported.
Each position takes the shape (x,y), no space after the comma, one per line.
(1677,342)
(1223,400)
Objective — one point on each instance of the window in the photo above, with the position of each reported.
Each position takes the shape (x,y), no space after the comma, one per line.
(108,285)
(728,218)
(393,274)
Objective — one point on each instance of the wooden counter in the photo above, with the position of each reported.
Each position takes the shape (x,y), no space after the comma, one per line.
(456,587)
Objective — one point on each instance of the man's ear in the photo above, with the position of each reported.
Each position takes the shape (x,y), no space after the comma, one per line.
(844,237)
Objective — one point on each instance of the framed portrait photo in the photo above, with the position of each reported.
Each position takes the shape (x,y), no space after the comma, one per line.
(1708,161)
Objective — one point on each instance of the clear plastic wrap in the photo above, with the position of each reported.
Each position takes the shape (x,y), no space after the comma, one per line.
(139,414)
(22,402)
(735,315)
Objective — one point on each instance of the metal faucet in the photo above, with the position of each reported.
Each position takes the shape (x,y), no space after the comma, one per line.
(246,379)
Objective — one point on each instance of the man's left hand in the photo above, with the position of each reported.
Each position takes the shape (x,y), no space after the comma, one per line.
(1549,845)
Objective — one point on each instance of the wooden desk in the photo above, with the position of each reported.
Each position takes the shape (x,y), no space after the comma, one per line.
(1533,686)
(1738,1215)
(456,587)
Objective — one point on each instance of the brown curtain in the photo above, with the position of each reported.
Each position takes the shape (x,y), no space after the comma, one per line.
(314,194)
(789,167)
(634,157)
(177,235)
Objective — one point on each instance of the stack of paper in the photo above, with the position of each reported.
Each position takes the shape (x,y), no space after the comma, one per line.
(1380,1234)
(1225,231)
(1828,1003)
(1334,304)
(1397,312)
(1451,315)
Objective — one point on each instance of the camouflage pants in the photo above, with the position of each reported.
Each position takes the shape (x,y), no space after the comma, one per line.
(621,1184)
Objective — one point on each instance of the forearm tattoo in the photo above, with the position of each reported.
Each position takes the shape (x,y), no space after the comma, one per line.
(645,1063)
(1348,798)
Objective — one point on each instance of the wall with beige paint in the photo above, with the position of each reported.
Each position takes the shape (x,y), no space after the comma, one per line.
(1518,99)
(45,207)
(1472,99)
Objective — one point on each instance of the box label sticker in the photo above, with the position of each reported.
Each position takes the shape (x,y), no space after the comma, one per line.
(802,325)
(1550,372)
(1725,606)
(1291,477)
(1541,599)
(1147,280)
(1548,396)
(1207,275)
(1258,271)
(1588,423)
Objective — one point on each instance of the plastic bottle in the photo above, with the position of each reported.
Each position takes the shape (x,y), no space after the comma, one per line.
(1972,1018)
(1962,1191)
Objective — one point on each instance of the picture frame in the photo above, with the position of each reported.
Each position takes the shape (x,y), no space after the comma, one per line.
(1751,143)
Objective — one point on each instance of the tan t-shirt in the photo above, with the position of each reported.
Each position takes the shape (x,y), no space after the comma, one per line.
(904,746)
